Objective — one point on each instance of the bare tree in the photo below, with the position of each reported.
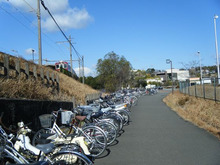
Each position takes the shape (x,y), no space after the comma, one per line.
(192,67)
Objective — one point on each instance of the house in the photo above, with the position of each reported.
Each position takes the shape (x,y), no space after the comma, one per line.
(162,75)
(194,80)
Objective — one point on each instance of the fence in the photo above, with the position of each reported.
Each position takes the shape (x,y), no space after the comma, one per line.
(91,97)
(203,89)
(14,66)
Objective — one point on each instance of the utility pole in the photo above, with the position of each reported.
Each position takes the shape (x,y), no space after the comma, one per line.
(39,33)
(83,70)
(71,60)
(79,68)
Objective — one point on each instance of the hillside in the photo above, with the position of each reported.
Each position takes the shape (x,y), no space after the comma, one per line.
(35,89)
(203,113)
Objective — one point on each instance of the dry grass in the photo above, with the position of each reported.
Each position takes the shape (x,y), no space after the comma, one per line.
(203,113)
(31,89)
(13,88)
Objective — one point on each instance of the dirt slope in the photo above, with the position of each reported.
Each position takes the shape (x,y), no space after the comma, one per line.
(34,89)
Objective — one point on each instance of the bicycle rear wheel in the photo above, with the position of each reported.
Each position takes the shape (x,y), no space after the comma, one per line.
(40,137)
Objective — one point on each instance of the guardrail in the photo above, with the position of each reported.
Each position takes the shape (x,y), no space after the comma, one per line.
(12,68)
(202,89)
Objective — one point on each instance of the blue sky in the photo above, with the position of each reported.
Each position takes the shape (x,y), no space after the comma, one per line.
(145,32)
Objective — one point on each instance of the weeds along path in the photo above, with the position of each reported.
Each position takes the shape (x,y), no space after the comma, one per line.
(158,136)
(202,112)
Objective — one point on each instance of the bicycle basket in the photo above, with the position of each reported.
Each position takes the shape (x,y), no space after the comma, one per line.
(46,120)
(66,117)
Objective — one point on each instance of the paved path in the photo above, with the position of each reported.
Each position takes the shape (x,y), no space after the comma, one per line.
(158,136)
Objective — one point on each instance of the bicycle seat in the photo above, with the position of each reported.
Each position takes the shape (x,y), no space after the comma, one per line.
(46,148)
(43,141)
(80,118)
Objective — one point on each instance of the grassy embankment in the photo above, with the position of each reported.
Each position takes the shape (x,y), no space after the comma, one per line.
(34,89)
(203,113)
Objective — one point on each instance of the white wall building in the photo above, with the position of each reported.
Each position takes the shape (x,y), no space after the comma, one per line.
(180,75)
(154,80)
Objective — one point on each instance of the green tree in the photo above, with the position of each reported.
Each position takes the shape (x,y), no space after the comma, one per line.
(140,82)
(113,71)
(150,71)
(93,82)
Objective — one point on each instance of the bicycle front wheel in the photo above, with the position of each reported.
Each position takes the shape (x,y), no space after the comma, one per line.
(110,130)
(70,157)
(96,139)
(125,115)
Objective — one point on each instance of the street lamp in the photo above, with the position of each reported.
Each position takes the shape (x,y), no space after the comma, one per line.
(33,54)
(216,47)
(200,65)
(15,52)
(168,61)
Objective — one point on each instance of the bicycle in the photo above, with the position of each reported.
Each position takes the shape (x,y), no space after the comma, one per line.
(91,119)
(95,137)
(22,152)
(8,154)
(47,152)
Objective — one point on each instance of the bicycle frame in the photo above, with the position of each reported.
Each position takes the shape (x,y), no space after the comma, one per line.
(55,129)
(79,130)
(60,137)
(8,150)
(13,154)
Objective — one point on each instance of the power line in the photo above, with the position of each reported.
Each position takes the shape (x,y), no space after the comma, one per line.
(51,45)
(60,50)
(42,3)
(17,19)
(30,6)
(21,13)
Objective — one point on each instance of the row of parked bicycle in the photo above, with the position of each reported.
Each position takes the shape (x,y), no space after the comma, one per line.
(75,136)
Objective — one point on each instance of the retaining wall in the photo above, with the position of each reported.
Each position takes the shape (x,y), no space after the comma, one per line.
(28,110)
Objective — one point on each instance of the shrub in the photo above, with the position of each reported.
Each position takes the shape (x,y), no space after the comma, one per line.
(182,101)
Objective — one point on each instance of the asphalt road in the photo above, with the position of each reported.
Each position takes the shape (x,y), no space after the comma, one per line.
(158,136)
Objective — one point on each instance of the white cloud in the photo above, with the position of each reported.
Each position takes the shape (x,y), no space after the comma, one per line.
(58,7)
(72,18)
(25,6)
(66,17)
(87,72)
(29,5)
